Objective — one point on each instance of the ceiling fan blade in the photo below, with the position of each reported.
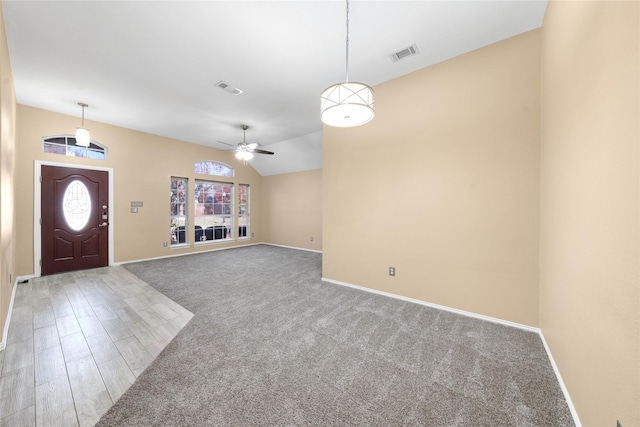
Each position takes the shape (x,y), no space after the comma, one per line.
(262,151)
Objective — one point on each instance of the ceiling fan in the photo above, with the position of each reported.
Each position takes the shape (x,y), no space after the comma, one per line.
(245,151)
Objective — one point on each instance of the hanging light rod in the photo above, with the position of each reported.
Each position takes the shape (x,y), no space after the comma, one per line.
(83,138)
(347,104)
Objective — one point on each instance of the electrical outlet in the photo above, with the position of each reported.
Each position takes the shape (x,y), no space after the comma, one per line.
(165,244)
(10,278)
(392,271)
(311,238)
(253,234)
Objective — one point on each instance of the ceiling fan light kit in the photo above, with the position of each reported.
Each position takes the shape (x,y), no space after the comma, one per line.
(347,104)
(244,155)
(83,138)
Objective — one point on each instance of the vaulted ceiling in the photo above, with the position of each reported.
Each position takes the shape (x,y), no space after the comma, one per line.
(154,66)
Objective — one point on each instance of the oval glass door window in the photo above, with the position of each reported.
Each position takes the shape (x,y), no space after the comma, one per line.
(76,205)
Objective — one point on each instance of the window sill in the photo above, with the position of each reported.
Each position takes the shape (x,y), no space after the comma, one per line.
(212,242)
(179,246)
(208,242)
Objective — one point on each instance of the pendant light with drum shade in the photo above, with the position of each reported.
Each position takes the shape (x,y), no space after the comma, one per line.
(347,104)
(83,138)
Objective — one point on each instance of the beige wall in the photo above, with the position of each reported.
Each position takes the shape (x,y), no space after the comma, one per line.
(492,184)
(589,287)
(143,165)
(292,209)
(7,174)
(443,185)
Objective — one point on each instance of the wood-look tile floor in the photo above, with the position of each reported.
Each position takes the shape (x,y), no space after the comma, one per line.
(77,341)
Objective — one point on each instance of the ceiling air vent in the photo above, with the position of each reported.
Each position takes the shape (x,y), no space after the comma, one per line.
(228,88)
(401,54)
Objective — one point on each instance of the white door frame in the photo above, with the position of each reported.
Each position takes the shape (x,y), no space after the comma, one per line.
(37,209)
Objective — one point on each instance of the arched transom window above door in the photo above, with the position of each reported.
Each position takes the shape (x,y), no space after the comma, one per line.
(66,146)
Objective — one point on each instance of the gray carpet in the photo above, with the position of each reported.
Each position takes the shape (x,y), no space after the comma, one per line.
(272,345)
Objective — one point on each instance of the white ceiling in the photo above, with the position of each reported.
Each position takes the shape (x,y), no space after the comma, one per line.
(153,65)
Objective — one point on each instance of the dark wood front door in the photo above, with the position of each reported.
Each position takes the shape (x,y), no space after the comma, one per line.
(75,219)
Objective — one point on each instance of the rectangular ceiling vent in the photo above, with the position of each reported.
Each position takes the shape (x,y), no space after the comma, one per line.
(228,88)
(404,53)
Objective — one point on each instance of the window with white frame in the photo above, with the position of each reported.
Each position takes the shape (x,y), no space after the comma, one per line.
(209,167)
(214,211)
(179,211)
(66,146)
(243,211)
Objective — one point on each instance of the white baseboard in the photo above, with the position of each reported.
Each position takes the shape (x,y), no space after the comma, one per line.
(186,253)
(5,332)
(538,331)
(565,392)
(293,247)
(440,307)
